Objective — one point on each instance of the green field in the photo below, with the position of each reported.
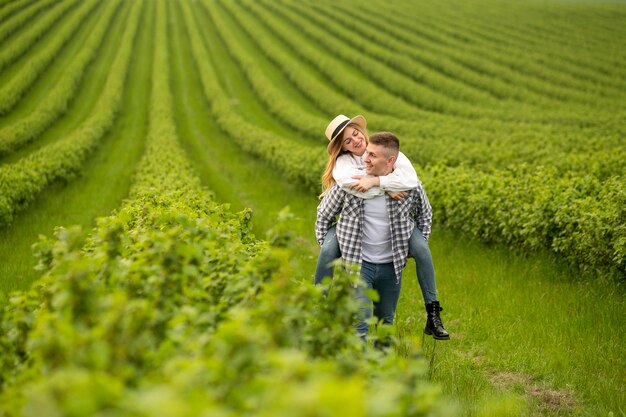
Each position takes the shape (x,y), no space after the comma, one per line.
(167,155)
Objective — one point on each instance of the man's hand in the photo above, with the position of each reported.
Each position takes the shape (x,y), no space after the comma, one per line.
(397,195)
(364,183)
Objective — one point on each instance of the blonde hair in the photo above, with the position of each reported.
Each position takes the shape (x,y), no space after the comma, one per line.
(335,151)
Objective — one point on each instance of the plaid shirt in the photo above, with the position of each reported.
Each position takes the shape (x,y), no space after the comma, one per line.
(404,215)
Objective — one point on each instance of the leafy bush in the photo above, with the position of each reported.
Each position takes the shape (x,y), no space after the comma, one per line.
(170,306)
(575,215)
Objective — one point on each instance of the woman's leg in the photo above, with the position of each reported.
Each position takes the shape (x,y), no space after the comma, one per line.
(418,248)
(328,253)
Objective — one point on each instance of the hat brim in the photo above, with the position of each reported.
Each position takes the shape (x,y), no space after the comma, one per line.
(358,120)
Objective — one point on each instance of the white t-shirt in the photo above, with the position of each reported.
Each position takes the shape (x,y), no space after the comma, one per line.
(376,239)
(402,178)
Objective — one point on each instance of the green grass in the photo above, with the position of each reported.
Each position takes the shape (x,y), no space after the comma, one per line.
(522,325)
(103,184)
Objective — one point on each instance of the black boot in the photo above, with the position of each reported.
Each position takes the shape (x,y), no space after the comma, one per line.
(434,326)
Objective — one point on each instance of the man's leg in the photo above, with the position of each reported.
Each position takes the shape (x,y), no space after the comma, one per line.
(368,273)
(328,253)
(388,287)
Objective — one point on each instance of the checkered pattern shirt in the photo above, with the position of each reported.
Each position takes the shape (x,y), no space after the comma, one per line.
(404,215)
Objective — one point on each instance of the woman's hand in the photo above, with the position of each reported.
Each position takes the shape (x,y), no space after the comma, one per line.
(364,183)
(397,195)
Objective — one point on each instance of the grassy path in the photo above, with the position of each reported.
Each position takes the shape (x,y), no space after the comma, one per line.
(105,181)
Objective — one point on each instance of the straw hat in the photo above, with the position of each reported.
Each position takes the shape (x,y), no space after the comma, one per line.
(339,123)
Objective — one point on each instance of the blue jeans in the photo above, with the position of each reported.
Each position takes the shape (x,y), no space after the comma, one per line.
(328,253)
(382,278)
(418,248)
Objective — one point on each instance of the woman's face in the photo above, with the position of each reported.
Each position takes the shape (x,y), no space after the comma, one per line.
(353,141)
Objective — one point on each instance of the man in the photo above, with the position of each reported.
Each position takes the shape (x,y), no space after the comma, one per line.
(374,234)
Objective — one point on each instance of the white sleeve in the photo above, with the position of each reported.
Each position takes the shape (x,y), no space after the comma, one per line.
(402,178)
(348,166)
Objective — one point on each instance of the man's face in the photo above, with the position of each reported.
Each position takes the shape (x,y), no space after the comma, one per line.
(376,162)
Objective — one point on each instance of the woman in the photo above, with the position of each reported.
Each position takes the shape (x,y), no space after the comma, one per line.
(347,141)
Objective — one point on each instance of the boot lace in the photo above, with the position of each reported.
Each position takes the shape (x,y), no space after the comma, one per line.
(435,317)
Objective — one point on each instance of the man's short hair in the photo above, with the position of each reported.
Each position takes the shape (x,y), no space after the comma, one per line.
(388,140)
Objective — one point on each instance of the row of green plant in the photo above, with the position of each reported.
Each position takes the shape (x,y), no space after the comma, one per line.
(343,42)
(428,140)
(3,3)
(13,8)
(173,307)
(576,216)
(336,71)
(324,97)
(557,58)
(21,182)
(344,46)
(600,155)
(375,61)
(422,66)
(404,56)
(28,36)
(269,93)
(12,91)
(498,144)
(365,91)
(439,38)
(15,22)
(56,100)
(541,62)
(549,22)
